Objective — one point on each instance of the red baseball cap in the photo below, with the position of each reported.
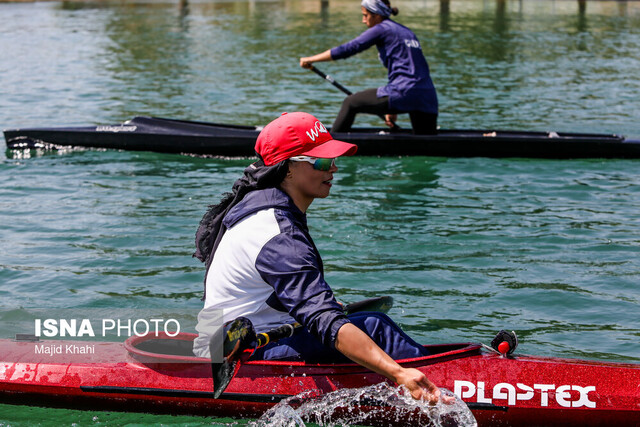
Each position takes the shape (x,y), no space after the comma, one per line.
(299,134)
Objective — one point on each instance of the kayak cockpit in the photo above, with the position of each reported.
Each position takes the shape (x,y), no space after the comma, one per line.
(163,348)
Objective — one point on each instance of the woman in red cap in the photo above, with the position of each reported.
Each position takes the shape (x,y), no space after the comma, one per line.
(263,265)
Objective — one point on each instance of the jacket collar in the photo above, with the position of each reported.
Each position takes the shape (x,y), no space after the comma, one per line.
(259,200)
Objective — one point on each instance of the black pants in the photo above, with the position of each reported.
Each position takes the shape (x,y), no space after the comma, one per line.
(368,102)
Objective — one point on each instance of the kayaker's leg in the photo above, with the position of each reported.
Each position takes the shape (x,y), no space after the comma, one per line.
(301,346)
(424,123)
(388,335)
(366,101)
(304,346)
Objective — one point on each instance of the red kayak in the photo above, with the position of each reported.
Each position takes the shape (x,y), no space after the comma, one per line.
(158,374)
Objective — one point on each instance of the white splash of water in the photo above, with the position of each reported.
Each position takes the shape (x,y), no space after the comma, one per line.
(380,404)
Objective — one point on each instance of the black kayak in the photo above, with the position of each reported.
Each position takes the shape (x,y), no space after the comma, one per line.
(200,138)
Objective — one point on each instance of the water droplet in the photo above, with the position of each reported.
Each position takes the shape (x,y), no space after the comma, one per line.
(377,403)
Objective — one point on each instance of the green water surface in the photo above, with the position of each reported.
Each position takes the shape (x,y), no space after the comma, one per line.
(465,246)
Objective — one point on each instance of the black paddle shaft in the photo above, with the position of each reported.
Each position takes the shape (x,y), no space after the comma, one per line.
(380,304)
(330,80)
(284,331)
(347,91)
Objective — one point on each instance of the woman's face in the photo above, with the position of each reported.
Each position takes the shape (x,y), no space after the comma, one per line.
(370,19)
(304,183)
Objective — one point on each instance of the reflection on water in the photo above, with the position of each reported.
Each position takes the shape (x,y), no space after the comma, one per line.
(530,65)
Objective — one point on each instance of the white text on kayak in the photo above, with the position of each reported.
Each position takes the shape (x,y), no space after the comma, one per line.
(568,396)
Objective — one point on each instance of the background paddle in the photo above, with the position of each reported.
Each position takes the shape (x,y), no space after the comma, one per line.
(347,91)
(240,341)
(330,80)
(380,304)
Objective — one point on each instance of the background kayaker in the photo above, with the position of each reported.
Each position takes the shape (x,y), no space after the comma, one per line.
(409,90)
(262,263)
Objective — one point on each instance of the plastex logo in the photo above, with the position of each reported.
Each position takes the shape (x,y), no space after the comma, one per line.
(568,396)
(316,130)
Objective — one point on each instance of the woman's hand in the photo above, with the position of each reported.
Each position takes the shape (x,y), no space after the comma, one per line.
(306,62)
(421,388)
(359,347)
(390,119)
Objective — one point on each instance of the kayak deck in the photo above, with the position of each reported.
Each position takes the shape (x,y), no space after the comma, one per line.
(224,140)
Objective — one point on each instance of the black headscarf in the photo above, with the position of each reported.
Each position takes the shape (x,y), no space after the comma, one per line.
(256,176)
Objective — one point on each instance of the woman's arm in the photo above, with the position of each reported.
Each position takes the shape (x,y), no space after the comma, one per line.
(361,43)
(301,289)
(307,62)
(359,347)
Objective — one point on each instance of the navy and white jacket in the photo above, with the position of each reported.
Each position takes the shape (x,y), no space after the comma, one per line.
(410,87)
(268,269)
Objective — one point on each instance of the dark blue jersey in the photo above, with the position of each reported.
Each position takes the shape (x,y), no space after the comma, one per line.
(410,87)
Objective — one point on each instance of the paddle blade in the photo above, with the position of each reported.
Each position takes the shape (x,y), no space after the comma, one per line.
(380,304)
(236,345)
(223,373)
